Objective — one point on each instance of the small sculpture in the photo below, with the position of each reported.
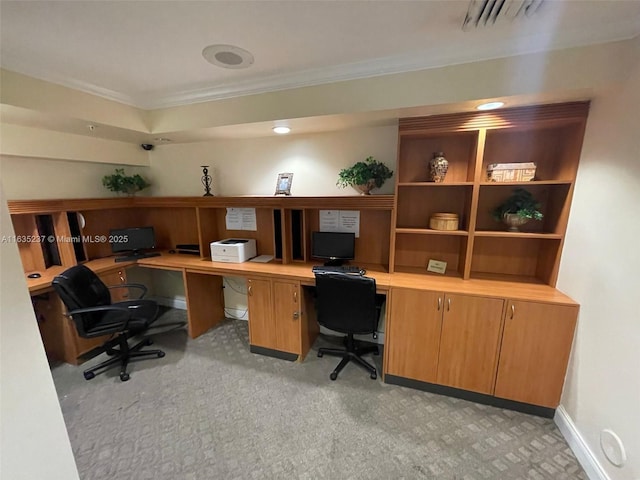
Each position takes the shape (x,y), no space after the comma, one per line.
(206,181)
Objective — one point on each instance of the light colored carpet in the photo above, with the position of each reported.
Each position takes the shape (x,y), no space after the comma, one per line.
(212,410)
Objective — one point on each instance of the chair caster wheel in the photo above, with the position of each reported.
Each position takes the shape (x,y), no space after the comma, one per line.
(161,354)
(333,376)
(148,342)
(320,354)
(89,375)
(373,376)
(124,377)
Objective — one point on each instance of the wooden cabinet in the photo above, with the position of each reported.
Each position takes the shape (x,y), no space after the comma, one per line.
(413,336)
(442,338)
(471,329)
(535,350)
(275,314)
(510,349)
(57,331)
(549,136)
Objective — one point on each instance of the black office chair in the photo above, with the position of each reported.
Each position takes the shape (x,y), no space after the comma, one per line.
(88,302)
(347,303)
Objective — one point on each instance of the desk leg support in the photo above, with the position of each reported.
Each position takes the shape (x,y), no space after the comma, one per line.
(205,302)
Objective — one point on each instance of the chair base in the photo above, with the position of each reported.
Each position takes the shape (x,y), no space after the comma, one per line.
(122,355)
(353,353)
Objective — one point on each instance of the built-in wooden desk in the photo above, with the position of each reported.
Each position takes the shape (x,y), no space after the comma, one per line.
(282,317)
(100,266)
(491,336)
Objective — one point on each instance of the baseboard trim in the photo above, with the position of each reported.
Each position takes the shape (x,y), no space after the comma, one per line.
(173,302)
(269,352)
(581,450)
(471,396)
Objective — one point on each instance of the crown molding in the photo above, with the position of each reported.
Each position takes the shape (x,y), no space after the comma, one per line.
(434,58)
(429,58)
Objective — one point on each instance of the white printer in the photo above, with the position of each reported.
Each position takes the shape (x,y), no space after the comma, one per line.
(233,250)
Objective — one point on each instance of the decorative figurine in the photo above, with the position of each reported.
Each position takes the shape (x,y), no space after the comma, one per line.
(206,181)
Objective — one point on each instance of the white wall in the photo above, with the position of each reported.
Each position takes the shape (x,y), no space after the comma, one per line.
(600,269)
(27,178)
(34,444)
(251,166)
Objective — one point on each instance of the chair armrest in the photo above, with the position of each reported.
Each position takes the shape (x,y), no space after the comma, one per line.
(102,308)
(131,285)
(105,308)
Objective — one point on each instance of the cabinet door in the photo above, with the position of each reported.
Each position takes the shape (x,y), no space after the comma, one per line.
(535,350)
(469,342)
(262,331)
(57,331)
(413,333)
(287,311)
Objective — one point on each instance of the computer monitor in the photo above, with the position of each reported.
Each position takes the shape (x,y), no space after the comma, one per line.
(335,247)
(134,241)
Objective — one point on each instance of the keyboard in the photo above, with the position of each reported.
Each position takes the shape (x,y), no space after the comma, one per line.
(338,268)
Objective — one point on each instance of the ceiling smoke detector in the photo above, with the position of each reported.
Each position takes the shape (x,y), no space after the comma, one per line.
(483,13)
(227,56)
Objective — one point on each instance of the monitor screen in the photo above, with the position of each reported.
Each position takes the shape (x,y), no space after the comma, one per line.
(132,239)
(333,245)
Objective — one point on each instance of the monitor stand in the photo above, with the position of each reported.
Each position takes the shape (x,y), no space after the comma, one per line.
(136,255)
(334,262)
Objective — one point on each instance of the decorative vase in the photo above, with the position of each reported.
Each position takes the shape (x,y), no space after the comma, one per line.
(366,188)
(513,221)
(438,167)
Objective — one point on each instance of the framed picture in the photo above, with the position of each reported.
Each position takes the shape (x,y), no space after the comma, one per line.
(283,187)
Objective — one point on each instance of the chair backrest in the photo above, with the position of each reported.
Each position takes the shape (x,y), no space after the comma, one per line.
(346,303)
(79,287)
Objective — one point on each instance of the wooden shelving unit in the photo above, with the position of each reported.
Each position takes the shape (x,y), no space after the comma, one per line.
(548,135)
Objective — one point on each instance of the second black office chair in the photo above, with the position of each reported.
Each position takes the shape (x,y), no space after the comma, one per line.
(88,302)
(347,303)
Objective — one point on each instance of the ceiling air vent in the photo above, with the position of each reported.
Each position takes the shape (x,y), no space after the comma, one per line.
(482,13)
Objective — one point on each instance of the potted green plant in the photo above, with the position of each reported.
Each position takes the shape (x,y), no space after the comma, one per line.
(121,183)
(518,209)
(364,176)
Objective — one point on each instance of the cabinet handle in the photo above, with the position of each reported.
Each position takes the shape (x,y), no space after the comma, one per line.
(122,280)
(296,315)
(448,304)
(295,296)
(439,303)
(513,310)
(250,290)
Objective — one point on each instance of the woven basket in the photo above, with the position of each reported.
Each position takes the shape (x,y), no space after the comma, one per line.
(444,221)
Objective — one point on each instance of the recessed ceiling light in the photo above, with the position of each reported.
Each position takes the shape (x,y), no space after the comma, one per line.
(490,106)
(162,139)
(227,56)
(281,130)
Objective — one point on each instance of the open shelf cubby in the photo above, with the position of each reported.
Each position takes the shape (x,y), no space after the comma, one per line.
(548,135)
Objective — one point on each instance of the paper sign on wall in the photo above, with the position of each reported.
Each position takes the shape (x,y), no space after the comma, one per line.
(347,221)
(241,219)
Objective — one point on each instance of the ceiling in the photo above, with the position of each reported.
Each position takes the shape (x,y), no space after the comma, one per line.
(149,53)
